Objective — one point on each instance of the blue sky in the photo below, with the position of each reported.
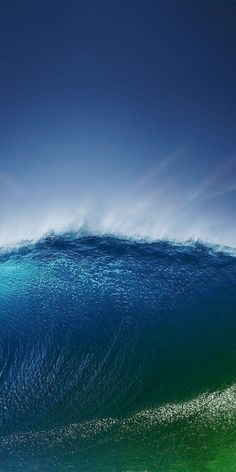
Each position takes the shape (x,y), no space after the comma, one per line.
(120,115)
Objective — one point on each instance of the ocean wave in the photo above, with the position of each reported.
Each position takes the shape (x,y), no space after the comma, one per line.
(99,330)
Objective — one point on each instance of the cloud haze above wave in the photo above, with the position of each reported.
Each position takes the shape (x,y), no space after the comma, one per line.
(159,204)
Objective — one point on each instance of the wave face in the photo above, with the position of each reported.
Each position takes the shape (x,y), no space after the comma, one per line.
(117,355)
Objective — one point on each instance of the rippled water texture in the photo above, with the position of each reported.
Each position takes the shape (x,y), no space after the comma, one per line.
(117,355)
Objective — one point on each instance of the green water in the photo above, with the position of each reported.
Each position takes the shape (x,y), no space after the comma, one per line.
(194,436)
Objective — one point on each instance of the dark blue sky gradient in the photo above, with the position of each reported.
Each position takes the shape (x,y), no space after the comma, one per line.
(95,95)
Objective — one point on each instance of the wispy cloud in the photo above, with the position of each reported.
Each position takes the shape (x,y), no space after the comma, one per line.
(11,185)
(161,166)
(212,185)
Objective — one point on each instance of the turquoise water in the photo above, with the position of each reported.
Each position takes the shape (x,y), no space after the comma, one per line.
(117,355)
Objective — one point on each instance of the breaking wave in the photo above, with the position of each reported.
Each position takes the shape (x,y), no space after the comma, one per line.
(117,355)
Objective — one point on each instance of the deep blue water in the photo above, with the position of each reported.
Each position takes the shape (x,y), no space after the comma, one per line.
(117,355)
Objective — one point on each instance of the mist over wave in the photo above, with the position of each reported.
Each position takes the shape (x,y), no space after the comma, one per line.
(107,342)
(170,201)
(136,221)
